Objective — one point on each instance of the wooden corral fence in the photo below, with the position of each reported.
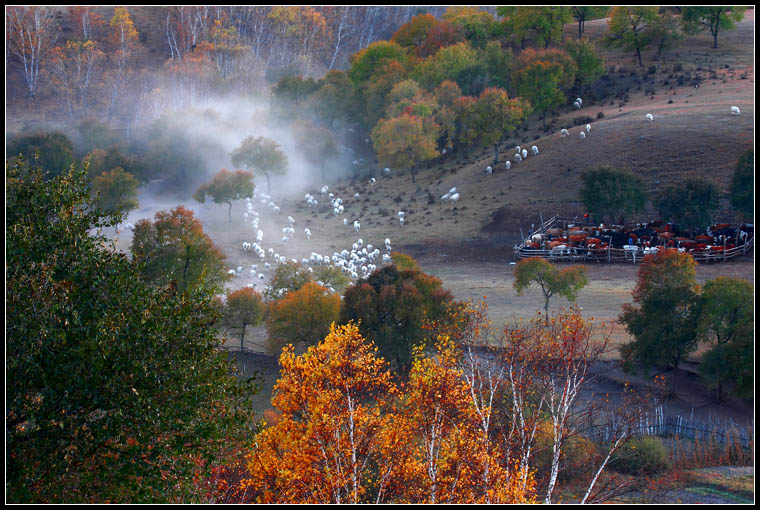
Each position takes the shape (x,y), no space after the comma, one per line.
(610,254)
(658,423)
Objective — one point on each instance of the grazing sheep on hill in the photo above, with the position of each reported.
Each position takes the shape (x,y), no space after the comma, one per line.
(518,158)
(577,105)
(564,133)
(357,226)
(735,110)
(524,153)
(454,197)
(508,164)
(650,118)
(489,170)
(534,150)
(583,134)
(579,101)
(588,128)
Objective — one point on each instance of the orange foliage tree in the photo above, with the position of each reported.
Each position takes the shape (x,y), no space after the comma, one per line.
(303,316)
(331,400)
(348,433)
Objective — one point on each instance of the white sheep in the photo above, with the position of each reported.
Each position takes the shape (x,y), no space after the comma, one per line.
(372,180)
(454,197)
(579,101)
(508,164)
(650,118)
(357,226)
(386,171)
(356,195)
(489,170)
(518,158)
(564,133)
(588,128)
(308,233)
(324,190)
(577,105)
(345,221)
(517,148)
(291,220)
(401,214)
(524,153)
(246,246)
(534,150)
(231,272)
(735,110)
(583,135)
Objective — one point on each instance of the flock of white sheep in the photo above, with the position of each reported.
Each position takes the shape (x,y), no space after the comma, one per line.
(358,262)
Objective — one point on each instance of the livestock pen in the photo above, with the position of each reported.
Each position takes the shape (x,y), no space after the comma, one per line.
(561,239)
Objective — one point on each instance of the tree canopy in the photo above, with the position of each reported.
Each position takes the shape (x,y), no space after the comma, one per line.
(174,249)
(607,192)
(538,271)
(225,187)
(714,19)
(743,185)
(261,154)
(114,389)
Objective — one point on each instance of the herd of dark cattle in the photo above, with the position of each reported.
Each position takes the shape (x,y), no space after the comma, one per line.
(653,234)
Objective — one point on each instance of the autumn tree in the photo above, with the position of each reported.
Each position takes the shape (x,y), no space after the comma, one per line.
(497,116)
(415,32)
(123,38)
(173,249)
(372,62)
(391,306)
(301,317)
(405,141)
(115,191)
(262,155)
(690,204)
(541,77)
(440,35)
(335,100)
(629,28)
(743,185)
(662,318)
(590,63)
(716,18)
(607,192)
(30,35)
(243,307)
(225,187)
(377,89)
(726,321)
(332,401)
(115,389)
(538,271)
(477,25)
(72,71)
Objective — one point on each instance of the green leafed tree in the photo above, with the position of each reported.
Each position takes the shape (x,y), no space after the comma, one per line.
(261,154)
(662,318)
(53,152)
(497,116)
(174,250)
(666,32)
(584,13)
(726,323)
(541,24)
(114,388)
(690,204)
(242,308)
(743,185)
(542,75)
(391,306)
(608,192)
(115,192)
(588,59)
(630,28)
(715,19)
(545,275)
(226,187)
